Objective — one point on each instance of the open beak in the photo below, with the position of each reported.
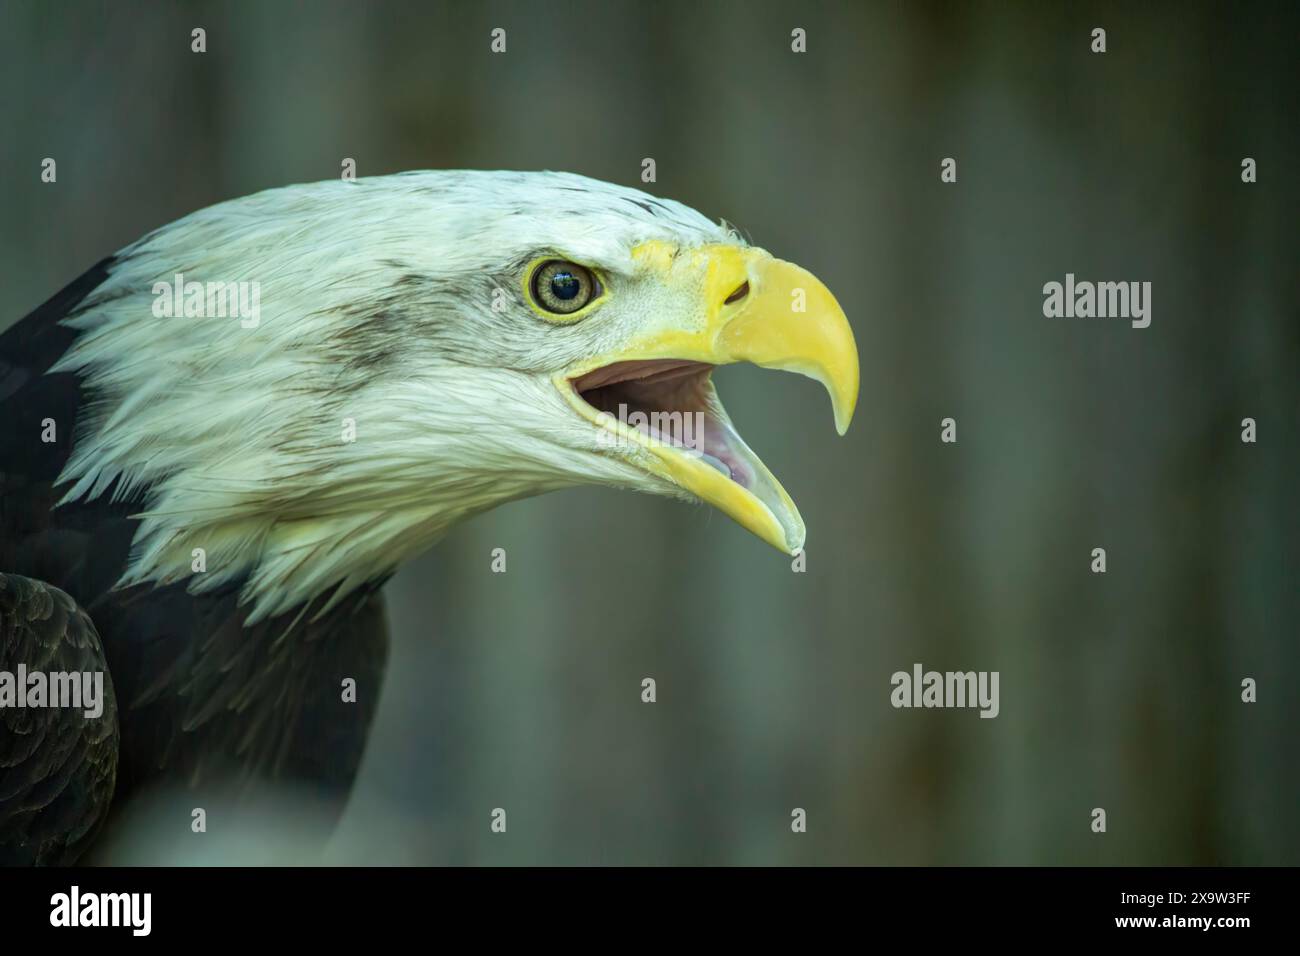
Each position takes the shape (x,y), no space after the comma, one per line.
(741,305)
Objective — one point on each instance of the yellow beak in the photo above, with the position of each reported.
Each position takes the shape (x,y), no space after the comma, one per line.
(741,305)
(790,321)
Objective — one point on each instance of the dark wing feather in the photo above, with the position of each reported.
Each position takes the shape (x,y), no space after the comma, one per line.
(57,766)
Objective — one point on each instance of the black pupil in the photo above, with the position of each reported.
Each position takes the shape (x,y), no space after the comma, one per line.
(565,286)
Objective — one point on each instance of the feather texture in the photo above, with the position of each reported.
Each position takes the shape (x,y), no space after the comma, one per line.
(391,306)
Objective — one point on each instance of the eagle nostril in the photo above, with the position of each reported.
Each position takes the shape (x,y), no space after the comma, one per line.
(741,291)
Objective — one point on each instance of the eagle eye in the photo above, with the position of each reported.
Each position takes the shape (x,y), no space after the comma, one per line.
(563,287)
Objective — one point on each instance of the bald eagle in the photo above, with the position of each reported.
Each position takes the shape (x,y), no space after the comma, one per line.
(202,490)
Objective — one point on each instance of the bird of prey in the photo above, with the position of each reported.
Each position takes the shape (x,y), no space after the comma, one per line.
(219,443)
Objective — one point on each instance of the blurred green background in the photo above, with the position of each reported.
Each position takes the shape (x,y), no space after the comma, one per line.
(522,690)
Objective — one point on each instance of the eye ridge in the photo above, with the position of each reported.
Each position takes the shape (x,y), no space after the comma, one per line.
(563,287)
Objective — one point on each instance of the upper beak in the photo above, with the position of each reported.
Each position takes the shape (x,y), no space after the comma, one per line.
(790,321)
(748,307)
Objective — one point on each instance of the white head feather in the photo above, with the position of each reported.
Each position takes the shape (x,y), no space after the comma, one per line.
(376,305)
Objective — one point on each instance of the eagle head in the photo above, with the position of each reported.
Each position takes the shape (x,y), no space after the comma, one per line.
(312,383)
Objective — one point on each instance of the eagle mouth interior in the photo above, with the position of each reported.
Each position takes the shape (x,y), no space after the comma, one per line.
(670,408)
(672,403)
